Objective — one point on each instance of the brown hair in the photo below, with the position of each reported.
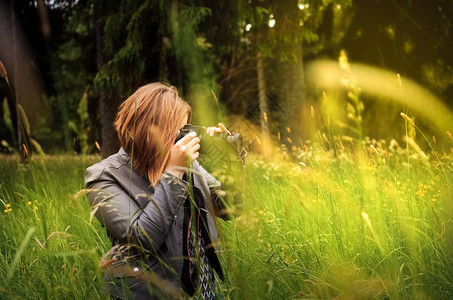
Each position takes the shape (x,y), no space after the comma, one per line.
(147,125)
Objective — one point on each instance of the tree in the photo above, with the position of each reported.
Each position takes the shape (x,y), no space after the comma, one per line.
(18,29)
(277,37)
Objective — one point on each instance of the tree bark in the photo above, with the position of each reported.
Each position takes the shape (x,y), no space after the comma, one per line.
(44,18)
(23,147)
(264,109)
(109,102)
(292,96)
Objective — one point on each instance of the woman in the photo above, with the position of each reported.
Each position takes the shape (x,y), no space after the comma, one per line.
(157,203)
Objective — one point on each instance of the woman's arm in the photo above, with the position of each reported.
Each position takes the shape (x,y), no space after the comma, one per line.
(112,199)
(146,226)
(227,199)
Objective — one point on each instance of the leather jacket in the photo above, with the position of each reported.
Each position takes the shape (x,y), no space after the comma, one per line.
(145,223)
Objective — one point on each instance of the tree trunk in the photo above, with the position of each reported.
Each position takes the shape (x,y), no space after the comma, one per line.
(44,18)
(292,97)
(264,109)
(109,107)
(109,102)
(290,72)
(23,147)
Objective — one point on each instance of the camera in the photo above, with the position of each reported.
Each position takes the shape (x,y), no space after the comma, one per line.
(218,144)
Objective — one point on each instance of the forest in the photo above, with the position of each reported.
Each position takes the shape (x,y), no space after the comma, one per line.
(344,108)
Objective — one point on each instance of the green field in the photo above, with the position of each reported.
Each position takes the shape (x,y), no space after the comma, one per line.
(368,223)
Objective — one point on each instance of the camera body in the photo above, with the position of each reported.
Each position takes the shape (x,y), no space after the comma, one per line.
(215,145)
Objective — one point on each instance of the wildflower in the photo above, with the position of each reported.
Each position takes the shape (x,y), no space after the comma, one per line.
(35,207)
(29,203)
(8,208)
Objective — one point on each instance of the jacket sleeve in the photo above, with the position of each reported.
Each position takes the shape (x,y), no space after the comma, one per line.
(227,202)
(147,225)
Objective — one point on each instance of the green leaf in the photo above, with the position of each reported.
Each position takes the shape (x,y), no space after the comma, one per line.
(7,115)
(37,146)
(23,118)
(73,126)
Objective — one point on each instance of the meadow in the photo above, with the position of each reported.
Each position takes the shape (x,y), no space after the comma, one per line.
(361,207)
(368,222)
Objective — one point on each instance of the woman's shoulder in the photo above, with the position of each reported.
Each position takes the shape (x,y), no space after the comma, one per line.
(104,168)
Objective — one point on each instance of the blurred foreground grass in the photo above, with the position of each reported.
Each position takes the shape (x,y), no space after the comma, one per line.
(369,224)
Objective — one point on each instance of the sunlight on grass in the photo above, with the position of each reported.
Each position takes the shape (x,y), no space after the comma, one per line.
(340,215)
(386,86)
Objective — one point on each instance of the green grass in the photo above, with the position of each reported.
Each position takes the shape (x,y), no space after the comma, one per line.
(366,225)
(344,228)
(48,248)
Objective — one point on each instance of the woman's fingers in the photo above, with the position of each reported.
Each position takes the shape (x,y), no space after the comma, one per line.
(192,147)
(195,156)
(213,130)
(223,128)
(194,141)
(187,138)
(196,147)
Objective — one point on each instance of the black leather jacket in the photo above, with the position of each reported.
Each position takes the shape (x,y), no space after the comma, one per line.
(145,223)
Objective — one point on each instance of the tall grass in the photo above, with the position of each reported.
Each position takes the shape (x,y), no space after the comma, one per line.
(48,248)
(348,226)
(340,217)
(318,225)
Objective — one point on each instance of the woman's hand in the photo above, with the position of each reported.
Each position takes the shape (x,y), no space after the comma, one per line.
(213,130)
(182,154)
